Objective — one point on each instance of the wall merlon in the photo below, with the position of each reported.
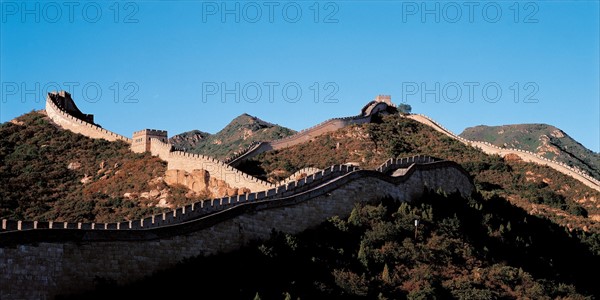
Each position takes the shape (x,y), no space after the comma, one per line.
(243,198)
(260,195)
(250,197)
(222,201)
(300,182)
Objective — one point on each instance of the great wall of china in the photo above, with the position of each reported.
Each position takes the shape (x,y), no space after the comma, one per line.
(59,115)
(365,117)
(43,259)
(367,112)
(527,156)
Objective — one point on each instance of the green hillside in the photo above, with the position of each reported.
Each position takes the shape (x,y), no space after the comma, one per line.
(545,140)
(236,136)
(189,139)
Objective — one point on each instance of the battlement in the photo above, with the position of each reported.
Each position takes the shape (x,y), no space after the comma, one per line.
(156,132)
(366,113)
(315,180)
(68,253)
(61,109)
(527,156)
(63,100)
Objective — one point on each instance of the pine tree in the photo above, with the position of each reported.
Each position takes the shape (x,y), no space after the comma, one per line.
(385,274)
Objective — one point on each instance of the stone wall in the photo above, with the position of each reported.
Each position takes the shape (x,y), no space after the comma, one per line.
(527,156)
(40,263)
(155,142)
(307,134)
(66,121)
(179,160)
(151,141)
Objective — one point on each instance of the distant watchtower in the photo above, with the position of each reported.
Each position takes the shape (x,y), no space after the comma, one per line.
(387,99)
(141,139)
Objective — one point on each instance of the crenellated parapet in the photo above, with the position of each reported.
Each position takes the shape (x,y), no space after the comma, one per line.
(405,162)
(60,107)
(194,210)
(315,180)
(180,160)
(71,255)
(528,156)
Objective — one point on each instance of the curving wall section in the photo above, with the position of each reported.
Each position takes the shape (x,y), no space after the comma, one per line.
(189,162)
(41,260)
(308,171)
(59,116)
(179,160)
(303,136)
(527,156)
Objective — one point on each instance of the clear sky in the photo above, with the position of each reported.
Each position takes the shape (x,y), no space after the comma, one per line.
(189,65)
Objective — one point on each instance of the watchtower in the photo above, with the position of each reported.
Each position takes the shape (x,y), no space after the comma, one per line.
(141,139)
(387,99)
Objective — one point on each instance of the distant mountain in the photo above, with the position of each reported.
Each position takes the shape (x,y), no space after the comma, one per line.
(543,139)
(189,139)
(237,135)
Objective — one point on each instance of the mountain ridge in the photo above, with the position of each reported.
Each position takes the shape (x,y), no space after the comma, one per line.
(235,136)
(543,139)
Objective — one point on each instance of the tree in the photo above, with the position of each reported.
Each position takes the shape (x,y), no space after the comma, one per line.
(404,109)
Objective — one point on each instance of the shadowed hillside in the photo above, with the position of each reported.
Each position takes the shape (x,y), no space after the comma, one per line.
(463,249)
(545,140)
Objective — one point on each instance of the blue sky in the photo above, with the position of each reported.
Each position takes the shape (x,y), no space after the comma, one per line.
(189,65)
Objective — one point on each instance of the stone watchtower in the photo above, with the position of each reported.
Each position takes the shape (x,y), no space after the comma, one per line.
(387,99)
(141,139)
